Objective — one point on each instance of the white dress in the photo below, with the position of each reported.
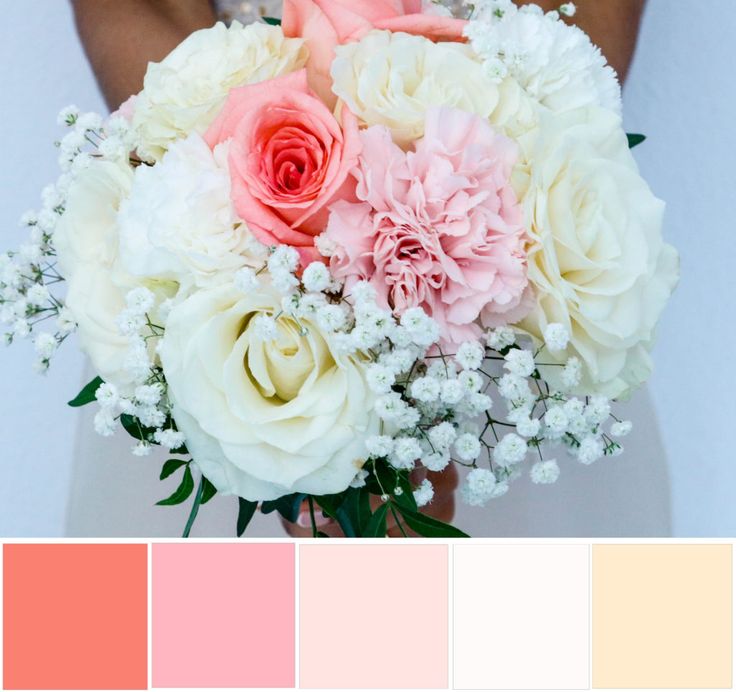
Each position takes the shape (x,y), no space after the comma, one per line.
(114,493)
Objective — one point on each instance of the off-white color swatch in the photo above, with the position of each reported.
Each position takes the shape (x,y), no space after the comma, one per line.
(521,617)
(662,616)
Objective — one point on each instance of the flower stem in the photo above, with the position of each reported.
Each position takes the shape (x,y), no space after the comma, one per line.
(311,516)
(195,508)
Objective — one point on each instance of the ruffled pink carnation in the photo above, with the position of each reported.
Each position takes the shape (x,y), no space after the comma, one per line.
(438,228)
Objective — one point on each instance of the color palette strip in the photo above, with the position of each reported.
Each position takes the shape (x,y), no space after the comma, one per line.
(472,615)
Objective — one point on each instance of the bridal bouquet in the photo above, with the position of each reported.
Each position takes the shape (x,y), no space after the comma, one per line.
(319,260)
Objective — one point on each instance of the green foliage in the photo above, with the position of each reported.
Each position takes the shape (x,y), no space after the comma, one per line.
(182,492)
(246,510)
(170,466)
(376,527)
(287,506)
(208,490)
(635,139)
(87,395)
(429,527)
(273,21)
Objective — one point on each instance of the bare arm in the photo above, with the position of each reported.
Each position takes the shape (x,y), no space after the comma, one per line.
(613,25)
(121,37)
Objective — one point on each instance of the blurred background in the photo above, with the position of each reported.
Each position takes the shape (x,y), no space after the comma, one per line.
(680,93)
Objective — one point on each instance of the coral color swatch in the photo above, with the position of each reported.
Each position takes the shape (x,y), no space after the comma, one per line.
(75,617)
(662,616)
(223,615)
(521,615)
(373,616)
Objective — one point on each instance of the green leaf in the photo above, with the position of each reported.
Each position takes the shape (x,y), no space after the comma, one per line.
(329,504)
(634,139)
(135,429)
(273,21)
(182,492)
(287,506)
(406,498)
(428,526)
(346,522)
(246,510)
(170,466)
(376,527)
(354,512)
(87,395)
(208,490)
(195,507)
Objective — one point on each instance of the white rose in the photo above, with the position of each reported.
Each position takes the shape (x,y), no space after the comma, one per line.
(264,418)
(87,247)
(87,231)
(597,262)
(184,92)
(86,242)
(178,222)
(392,79)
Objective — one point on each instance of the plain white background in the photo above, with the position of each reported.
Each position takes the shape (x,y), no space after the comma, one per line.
(680,93)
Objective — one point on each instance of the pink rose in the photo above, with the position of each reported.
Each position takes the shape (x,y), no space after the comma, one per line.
(289,157)
(438,228)
(327,23)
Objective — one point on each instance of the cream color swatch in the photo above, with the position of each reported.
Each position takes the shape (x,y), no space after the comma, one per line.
(662,616)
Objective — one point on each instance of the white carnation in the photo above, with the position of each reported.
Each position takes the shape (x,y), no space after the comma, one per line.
(392,79)
(555,63)
(179,223)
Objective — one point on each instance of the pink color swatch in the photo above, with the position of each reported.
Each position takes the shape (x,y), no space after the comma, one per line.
(373,616)
(223,615)
(75,617)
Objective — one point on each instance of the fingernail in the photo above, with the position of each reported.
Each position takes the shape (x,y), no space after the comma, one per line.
(305,520)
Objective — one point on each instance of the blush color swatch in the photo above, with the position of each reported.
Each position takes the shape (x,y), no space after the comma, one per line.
(223,615)
(662,616)
(75,617)
(373,616)
(521,617)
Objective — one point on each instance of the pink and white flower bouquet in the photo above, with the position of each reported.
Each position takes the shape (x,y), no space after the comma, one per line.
(319,259)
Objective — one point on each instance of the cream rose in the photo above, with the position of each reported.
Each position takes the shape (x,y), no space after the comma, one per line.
(392,79)
(597,262)
(184,92)
(86,241)
(264,417)
(179,222)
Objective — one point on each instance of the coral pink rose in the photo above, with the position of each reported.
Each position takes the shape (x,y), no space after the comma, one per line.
(289,157)
(323,24)
(438,228)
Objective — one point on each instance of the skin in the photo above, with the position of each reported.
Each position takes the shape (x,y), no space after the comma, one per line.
(121,37)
